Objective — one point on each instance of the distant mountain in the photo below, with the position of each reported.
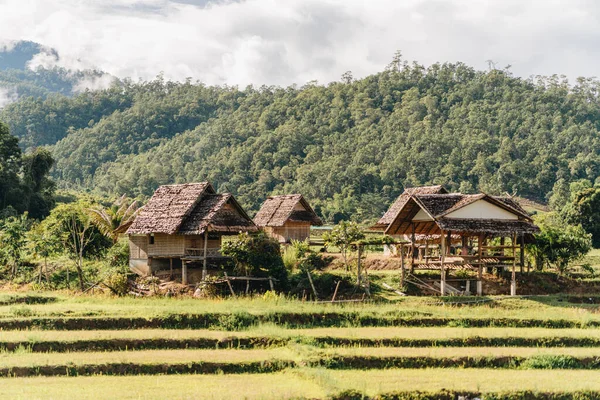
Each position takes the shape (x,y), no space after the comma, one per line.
(17,80)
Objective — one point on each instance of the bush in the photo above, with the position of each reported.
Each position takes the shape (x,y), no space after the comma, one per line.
(551,362)
(237,321)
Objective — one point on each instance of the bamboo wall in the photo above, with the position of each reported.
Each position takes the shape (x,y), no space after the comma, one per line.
(290,231)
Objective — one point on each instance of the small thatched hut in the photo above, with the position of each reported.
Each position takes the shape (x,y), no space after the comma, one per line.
(184,224)
(287,218)
(435,222)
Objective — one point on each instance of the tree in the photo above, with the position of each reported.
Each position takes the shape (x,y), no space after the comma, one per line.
(558,244)
(42,244)
(584,209)
(12,239)
(10,165)
(72,226)
(257,255)
(342,236)
(114,220)
(38,188)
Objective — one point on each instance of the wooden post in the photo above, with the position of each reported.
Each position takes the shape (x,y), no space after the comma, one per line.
(337,286)
(480,269)
(171,268)
(312,285)
(271,284)
(358,264)
(204,270)
(229,284)
(402,266)
(427,251)
(412,248)
(184,275)
(522,254)
(442,259)
(464,250)
(468,287)
(513,280)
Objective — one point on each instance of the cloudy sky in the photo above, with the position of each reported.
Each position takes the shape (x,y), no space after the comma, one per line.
(295,41)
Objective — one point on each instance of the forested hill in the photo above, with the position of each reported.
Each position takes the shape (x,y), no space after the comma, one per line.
(350,146)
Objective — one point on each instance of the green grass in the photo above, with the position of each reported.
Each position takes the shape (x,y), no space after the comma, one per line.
(297,354)
(540,307)
(272,330)
(276,331)
(302,383)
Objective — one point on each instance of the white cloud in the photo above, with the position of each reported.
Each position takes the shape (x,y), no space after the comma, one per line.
(7,95)
(295,41)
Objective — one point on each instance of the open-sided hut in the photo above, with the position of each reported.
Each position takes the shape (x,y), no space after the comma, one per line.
(182,225)
(287,217)
(435,221)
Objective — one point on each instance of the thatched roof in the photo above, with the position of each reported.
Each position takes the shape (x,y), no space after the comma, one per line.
(395,208)
(190,209)
(439,206)
(277,210)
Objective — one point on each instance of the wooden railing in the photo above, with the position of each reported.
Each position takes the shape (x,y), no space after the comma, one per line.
(211,252)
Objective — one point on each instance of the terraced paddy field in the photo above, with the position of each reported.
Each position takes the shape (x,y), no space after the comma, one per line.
(504,348)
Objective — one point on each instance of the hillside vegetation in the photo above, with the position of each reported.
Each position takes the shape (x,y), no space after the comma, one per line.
(350,146)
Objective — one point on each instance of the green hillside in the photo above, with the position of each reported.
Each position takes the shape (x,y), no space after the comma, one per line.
(350,146)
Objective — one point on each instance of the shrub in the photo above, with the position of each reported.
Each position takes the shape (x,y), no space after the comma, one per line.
(551,362)
(237,321)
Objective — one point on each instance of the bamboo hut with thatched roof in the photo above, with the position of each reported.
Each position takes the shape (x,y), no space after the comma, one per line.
(287,218)
(181,226)
(452,230)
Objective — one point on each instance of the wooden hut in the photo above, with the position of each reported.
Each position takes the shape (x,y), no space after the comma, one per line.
(182,225)
(287,218)
(469,221)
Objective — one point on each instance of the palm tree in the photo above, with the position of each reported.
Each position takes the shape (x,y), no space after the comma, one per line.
(114,220)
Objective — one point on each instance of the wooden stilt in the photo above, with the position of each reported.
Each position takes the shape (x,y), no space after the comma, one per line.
(402,266)
(271,284)
(171,269)
(513,281)
(443,267)
(468,287)
(480,269)
(204,270)
(412,248)
(427,251)
(522,253)
(184,274)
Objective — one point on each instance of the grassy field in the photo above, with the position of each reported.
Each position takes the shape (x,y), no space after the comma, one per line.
(306,359)
(303,383)
(64,305)
(276,331)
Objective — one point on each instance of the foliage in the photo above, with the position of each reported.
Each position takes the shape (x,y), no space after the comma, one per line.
(72,226)
(343,236)
(24,182)
(558,244)
(350,146)
(584,210)
(114,220)
(13,232)
(257,255)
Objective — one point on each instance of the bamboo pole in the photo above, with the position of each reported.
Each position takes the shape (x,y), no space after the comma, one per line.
(337,286)
(312,285)
(442,259)
(358,265)
(184,275)
(204,270)
(513,281)
(402,266)
(229,284)
(480,269)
